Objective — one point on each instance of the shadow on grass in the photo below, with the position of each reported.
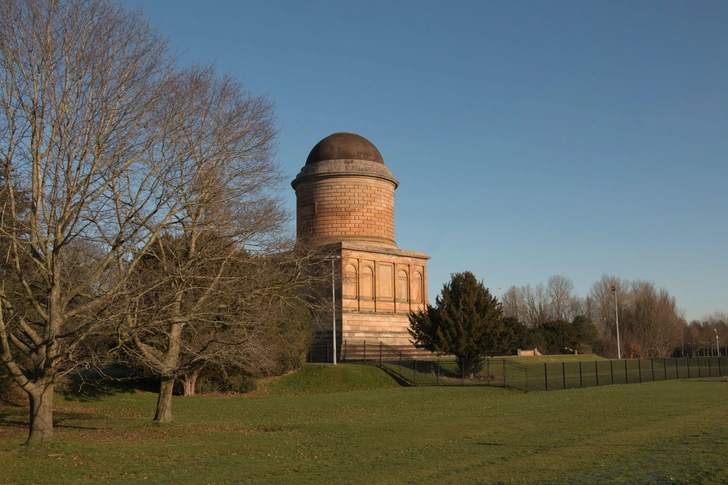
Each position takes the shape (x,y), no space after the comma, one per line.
(13,421)
(397,378)
(61,420)
(65,420)
(93,385)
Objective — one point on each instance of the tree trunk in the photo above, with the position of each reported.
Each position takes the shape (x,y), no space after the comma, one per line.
(164,403)
(188,384)
(41,414)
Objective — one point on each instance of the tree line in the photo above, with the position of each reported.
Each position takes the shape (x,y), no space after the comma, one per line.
(650,322)
(468,321)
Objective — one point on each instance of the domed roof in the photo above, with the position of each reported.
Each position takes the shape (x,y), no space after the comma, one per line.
(344,146)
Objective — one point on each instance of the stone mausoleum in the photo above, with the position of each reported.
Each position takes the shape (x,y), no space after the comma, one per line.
(345,205)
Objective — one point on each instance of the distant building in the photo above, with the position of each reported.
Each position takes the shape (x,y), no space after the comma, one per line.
(345,204)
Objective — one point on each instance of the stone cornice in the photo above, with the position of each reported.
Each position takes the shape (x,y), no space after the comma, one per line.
(344,168)
(369,248)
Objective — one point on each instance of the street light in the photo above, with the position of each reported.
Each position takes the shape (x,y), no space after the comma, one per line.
(616,317)
(333,298)
(717,345)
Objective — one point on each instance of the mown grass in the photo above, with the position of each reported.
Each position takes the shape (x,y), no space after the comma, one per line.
(444,371)
(661,432)
(555,358)
(325,379)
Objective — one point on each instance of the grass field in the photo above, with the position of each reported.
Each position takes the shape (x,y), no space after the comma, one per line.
(312,427)
(552,372)
(555,358)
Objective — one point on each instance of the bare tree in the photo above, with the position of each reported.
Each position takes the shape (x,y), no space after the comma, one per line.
(559,290)
(219,288)
(513,304)
(699,337)
(534,306)
(651,325)
(233,312)
(537,304)
(577,307)
(652,322)
(601,304)
(84,134)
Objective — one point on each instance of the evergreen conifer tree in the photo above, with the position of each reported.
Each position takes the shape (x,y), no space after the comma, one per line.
(466,321)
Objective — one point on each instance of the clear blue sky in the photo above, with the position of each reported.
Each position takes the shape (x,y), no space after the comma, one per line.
(530,138)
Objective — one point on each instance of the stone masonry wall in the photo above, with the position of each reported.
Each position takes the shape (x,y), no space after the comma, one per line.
(346,208)
(379,290)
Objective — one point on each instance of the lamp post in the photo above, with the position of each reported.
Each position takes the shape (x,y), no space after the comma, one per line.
(717,344)
(616,317)
(333,299)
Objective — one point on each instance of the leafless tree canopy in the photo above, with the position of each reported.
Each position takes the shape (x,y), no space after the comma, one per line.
(601,300)
(650,322)
(219,277)
(535,306)
(81,81)
(117,164)
(706,336)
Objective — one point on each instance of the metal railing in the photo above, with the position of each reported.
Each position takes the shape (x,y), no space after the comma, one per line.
(435,371)
(536,376)
(547,376)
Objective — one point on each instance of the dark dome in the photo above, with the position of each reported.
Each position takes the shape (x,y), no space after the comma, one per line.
(344,146)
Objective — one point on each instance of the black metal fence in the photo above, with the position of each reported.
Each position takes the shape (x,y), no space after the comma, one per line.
(536,376)
(547,376)
(321,351)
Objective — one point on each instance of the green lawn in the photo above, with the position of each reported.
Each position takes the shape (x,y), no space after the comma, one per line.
(555,358)
(662,432)
(325,379)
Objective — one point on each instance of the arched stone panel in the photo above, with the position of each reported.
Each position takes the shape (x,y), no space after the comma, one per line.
(367,283)
(350,282)
(416,287)
(402,286)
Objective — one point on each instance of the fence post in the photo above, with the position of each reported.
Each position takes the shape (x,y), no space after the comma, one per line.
(365,352)
(720,373)
(687,363)
(677,370)
(415,373)
(596,371)
(699,370)
(581,378)
(546,376)
(652,363)
(710,370)
(563,373)
(462,372)
(611,370)
(664,366)
(626,375)
(639,369)
(327,351)
(400,364)
(526,377)
(438,369)
(487,364)
(380,353)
